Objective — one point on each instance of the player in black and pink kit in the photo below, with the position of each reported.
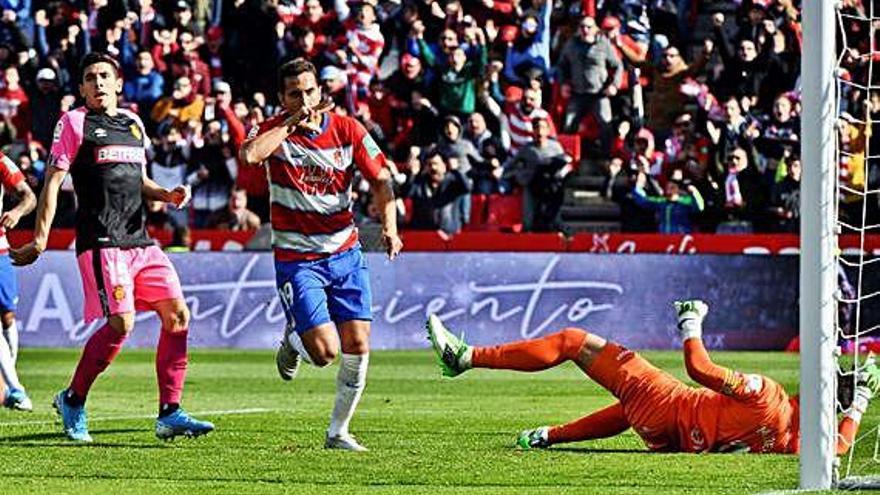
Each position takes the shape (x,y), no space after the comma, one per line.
(104,150)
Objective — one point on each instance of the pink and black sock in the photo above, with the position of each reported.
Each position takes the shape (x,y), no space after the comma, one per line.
(171,362)
(103,346)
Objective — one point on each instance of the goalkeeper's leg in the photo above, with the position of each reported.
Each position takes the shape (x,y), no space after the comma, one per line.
(604,423)
(571,344)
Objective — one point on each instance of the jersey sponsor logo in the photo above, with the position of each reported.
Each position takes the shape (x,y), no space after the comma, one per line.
(136,131)
(371,146)
(120,154)
(56,134)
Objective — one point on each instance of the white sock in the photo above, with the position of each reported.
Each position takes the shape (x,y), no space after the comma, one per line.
(7,366)
(350,383)
(11,335)
(298,346)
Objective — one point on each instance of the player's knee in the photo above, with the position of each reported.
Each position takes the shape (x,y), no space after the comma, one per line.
(573,340)
(324,356)
(176,319)
(8,318)
(123,324)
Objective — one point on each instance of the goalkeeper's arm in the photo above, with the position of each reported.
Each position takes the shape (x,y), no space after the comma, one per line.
(702,370)
(867,385)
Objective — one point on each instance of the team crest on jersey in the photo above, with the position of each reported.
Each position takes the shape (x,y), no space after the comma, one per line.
(697,439)
(118,293)
(136,131)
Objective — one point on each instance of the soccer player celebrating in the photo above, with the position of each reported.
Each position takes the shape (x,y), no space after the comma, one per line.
(103,147)
(12,179)
(320,272)
(731,412)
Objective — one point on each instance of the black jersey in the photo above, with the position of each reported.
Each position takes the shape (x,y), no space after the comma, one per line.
(105,156)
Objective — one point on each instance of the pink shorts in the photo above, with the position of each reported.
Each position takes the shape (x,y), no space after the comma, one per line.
(130,279)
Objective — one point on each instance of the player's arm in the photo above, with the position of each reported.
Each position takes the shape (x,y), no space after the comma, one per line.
(179,196)
(370,160)
(867,385)
(46,207)
(383,194)
(699,365)
(256,149)
(27,201)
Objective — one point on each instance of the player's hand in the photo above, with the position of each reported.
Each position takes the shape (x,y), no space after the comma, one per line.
(393,244)
(26,254)
(301,118)
(180,196)
(10,219)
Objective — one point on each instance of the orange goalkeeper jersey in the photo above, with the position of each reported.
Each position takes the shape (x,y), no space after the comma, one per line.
(733,411)
(755,415)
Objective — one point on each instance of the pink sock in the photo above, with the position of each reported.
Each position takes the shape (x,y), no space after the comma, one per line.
(171,365)
(99,352)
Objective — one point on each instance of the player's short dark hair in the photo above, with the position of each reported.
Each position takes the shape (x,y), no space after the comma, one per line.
(93,58)
(294,68)
(431,152)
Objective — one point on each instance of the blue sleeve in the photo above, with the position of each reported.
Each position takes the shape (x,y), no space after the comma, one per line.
(41,42)
(129,90)
(509,64)
(543,34)
(157,85)
(643,201)
(412,46)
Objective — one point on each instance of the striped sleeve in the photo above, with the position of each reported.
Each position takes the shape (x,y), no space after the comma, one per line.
(366,152)
(10,175)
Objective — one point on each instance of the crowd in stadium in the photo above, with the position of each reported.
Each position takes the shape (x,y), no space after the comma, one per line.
(693,132)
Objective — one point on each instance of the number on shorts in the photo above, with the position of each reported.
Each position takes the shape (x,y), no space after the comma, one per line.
(285,292)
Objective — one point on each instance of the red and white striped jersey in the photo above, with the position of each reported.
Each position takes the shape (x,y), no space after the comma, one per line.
(518,126)
(10,177)
(310,177)
(369,43)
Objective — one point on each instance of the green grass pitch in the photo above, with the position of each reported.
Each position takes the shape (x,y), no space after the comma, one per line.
(426,434)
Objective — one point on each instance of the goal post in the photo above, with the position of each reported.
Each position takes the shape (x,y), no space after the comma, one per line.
(818,269)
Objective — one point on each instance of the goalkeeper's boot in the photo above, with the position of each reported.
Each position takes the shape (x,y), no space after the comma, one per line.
(74,419)
(534,439)
(344,442)
(453,354)
(287,359)
(17,399)
(694,309)
(180,423)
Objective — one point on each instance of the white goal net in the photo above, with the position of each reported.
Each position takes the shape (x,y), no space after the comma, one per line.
(856,167)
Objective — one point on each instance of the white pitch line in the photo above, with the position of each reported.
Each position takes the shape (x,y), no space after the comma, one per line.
(227,412)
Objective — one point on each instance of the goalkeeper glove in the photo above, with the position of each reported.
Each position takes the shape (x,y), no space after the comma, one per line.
(690,318)
(534,439)
(867,386)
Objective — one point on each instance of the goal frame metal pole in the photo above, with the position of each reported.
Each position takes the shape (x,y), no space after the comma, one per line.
(818,269)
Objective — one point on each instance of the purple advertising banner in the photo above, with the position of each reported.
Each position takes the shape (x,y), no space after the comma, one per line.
(491,297)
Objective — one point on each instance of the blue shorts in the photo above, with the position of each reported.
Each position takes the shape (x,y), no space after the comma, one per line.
(8,286)
(336,288)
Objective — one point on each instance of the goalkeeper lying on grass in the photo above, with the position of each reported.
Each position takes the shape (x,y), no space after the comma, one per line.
(731,412)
